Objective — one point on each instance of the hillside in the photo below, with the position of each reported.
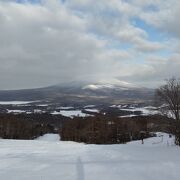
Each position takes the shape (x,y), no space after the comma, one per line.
(76,92)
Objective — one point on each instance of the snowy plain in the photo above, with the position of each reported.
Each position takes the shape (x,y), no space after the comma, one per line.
(15,102)
(47,158)
(70,113)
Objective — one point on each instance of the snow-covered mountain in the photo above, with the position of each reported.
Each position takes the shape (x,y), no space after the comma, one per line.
(100,91)
(110,84)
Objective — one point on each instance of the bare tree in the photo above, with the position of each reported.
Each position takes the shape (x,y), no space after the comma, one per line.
(169,94)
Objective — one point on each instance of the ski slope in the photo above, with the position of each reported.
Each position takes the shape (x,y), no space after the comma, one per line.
(47,158)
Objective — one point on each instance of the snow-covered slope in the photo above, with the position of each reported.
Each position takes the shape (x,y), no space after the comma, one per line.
(110,84)
(54,160)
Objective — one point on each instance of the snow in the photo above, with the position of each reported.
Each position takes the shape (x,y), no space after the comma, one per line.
(116,106)
(15,102)
(70,113)
(16,111)
(162,140)
(49,137)
(49,159)
(92,110)
(110,84)
(151,107)
(38,111)
(89,106)
(56,113)
(73,113)
(143,110)
(42,105)
(66,107)
(130,115)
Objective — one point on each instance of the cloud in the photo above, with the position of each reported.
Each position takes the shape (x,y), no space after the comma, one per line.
(51,42)
(155,71)
(166,16)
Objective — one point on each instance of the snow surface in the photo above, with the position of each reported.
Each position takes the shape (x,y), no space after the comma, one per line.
(16,111)
(43,105)
(130,115)
(44,159)
(15,102)
(66,107)
(39,111)
(92,110)
(49,137)
(70,113)
(89,106)
(111,84)
(144,110)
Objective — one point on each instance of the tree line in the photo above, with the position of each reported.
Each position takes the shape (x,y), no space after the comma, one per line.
(20,127)
(103,129)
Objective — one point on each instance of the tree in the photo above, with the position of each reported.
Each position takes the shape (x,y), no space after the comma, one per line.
(169,94)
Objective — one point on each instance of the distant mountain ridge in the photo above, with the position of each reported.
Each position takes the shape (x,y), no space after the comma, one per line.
(80,92)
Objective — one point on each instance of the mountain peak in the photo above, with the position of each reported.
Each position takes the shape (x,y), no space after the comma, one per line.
(109,84)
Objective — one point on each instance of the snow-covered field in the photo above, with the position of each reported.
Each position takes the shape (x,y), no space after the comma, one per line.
(15,102)
(49,159)
(92,110)
(143,110)
(16,111)
(70,113)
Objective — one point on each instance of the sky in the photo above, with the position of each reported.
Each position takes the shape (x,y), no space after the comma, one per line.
(47,42)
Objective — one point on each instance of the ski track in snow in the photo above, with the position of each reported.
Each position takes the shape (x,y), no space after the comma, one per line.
(49,159)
